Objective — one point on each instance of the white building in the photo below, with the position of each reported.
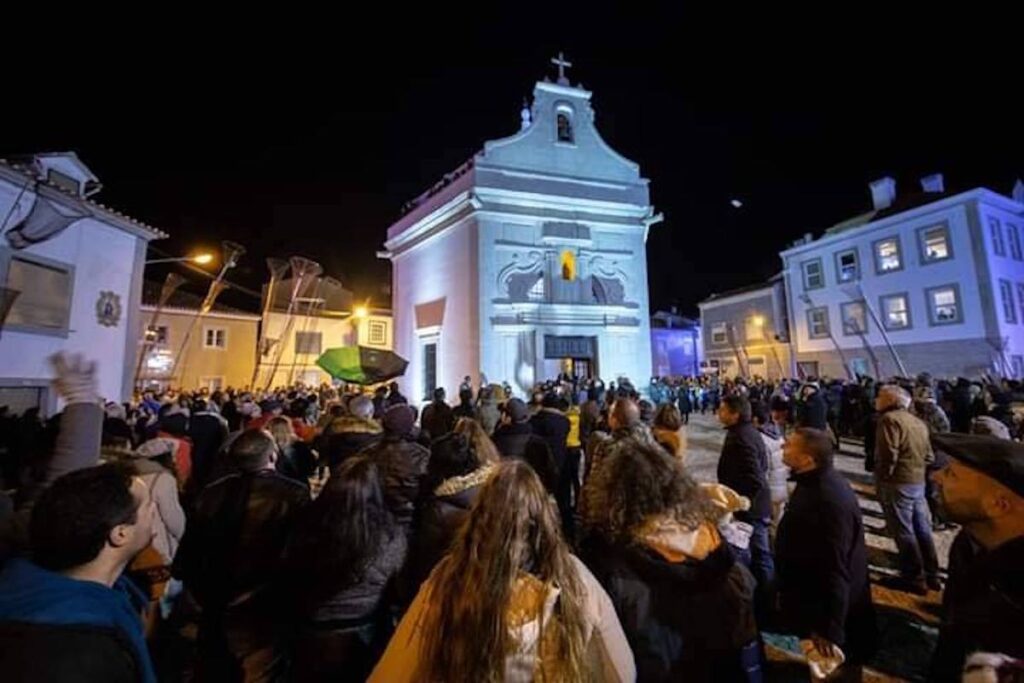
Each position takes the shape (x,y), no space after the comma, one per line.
(527,261)
(939,278)
(77,267)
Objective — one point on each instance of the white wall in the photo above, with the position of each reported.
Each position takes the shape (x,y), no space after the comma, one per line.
(1005,268)
(913,279)
(441,267)
(103,258)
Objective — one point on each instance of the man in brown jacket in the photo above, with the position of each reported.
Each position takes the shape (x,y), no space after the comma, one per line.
(902,450)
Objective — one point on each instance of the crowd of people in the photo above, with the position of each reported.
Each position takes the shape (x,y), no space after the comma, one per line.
(322,533)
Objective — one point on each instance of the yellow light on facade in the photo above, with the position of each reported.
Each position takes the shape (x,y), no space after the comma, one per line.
(757,320)
(360,312)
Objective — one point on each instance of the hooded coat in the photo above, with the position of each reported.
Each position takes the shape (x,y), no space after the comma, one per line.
(347,435)
(685,604)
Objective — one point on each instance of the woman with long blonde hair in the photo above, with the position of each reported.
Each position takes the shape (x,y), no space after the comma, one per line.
(486,451)
(509,602)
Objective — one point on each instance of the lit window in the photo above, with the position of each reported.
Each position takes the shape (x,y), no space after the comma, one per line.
(377,332)
(814,278)
(817,323)
(156,335)
(718,334)
(1013,237)
(847,268)
(568,265)
(215,338)
(855,319)
(944,305)
(1009,310)
(935,244)
(996,231)
(754,328)
(887,255)
(895,312)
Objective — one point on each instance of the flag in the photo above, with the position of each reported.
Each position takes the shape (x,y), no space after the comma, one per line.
(171,285)
(42,222)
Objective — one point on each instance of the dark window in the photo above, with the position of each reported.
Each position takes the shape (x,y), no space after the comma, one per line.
(847,268)
(44,294)
(308,342)
(429,369)
(564,127)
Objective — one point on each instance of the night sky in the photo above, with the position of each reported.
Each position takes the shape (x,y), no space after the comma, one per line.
(307,137)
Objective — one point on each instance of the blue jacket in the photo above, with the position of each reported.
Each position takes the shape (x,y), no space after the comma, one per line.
(31,594)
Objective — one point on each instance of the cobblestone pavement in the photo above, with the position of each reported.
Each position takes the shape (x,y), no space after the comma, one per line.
(907,622)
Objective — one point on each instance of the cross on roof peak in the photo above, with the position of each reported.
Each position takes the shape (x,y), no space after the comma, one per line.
(561,63)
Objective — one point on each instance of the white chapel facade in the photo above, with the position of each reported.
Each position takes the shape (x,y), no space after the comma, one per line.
(527,261)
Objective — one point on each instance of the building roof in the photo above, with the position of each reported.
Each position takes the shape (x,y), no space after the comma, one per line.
(16,167)
(746,289)
(184,301)
(902,203)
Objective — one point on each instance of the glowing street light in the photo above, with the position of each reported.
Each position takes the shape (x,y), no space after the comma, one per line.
(201,259)
(360,312)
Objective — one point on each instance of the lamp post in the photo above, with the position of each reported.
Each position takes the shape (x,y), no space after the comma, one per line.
(232,252)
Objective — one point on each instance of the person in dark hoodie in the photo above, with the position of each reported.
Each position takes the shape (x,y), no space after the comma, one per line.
(69,614)
(743,467)
(455,473)
(821,556)
(402,463)
(514,438)
(684,601)
(465,407)
(208,431)
(437,418)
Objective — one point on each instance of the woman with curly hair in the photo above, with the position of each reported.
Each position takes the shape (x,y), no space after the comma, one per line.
(509,602)
(685,603)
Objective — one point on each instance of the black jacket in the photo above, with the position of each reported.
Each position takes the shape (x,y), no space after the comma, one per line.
(235,539)
(822,566)
(812,412)
(743,467)
(345,436)
(437,419)
(208,433)
(684,620)
(552,426)
(517,440)
(402,464)
(87,654)
(983,605)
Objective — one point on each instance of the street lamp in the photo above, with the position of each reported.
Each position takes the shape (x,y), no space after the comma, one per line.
(360,312)
(201,259)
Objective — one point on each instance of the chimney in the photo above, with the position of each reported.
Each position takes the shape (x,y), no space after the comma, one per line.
(933,184)
(1018,191)
(883,192)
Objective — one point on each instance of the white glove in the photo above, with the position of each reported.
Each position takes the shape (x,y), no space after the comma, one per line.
(75,378)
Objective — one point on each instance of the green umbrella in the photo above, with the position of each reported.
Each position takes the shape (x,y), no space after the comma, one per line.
(361,364)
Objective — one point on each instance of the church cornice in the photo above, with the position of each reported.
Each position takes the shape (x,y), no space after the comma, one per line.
(496,199)
(457,209)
